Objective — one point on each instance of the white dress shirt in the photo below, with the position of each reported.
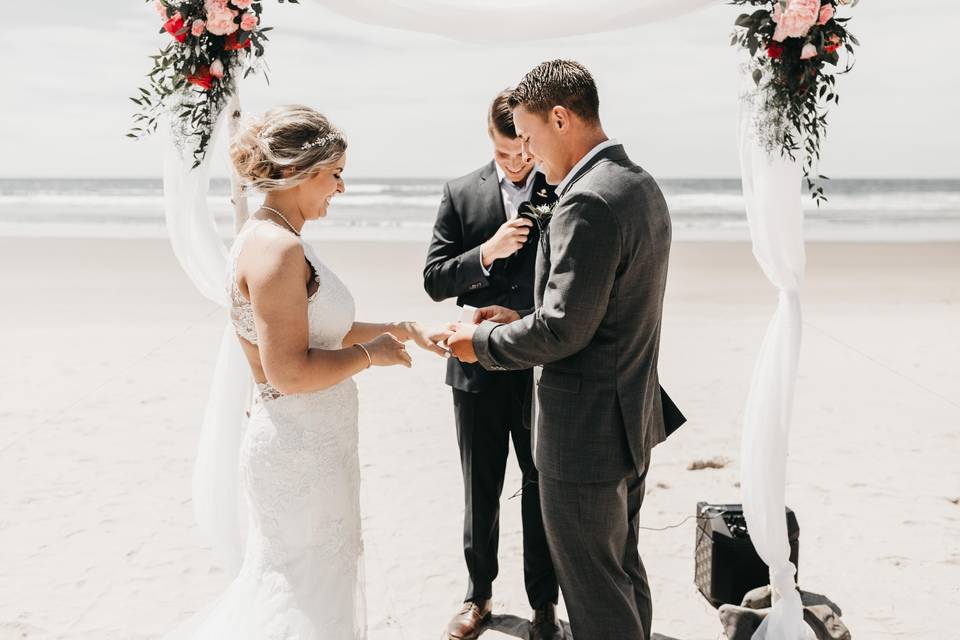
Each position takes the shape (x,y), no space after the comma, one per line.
(513,196)
(583,161)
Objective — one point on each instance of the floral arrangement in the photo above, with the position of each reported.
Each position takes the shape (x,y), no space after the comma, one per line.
(210,43)
(795,49)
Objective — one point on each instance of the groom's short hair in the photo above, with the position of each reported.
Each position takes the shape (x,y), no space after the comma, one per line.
(500,118)
(562,83)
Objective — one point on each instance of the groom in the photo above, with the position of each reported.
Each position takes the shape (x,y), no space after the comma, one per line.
(595,330)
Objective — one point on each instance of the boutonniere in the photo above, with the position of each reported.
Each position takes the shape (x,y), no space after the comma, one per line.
(540,213)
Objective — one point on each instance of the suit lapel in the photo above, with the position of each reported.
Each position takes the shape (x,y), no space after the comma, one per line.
(491,200)
(616,152)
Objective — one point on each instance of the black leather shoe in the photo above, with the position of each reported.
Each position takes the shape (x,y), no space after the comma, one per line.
(546,624)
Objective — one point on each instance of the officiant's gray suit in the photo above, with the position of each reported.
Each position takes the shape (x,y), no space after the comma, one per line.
(595,329)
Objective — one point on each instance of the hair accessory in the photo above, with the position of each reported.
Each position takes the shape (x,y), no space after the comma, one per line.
(319,142)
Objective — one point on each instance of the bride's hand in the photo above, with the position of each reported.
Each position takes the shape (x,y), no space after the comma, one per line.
(385,351)
(425,337)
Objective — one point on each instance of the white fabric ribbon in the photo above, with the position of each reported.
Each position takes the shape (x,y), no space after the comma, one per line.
(511,21)
(217,499)
(771,191)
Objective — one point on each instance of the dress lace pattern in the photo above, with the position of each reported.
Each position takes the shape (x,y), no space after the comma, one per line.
(302,574)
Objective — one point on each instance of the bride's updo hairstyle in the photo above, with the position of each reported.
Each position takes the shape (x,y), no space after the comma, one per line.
(285,147)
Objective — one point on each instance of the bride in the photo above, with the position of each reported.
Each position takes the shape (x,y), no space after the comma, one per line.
(302,573)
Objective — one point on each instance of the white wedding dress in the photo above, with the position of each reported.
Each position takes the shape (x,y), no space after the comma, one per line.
(302,572)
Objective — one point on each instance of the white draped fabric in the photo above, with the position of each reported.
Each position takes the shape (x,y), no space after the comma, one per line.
(771,191)
(197,244)
(511,21)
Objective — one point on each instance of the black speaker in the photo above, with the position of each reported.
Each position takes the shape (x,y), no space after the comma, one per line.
(726,564)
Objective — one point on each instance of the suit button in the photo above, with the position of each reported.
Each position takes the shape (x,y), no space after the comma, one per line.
(515,288)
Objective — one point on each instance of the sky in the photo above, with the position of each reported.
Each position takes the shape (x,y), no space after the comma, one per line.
(414,105)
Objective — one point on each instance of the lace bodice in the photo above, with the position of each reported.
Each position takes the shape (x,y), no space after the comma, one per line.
(330,309)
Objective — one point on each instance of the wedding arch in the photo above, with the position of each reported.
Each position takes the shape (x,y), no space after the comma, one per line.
(794,50)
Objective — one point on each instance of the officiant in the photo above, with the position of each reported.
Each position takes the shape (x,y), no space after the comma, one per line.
(483,252)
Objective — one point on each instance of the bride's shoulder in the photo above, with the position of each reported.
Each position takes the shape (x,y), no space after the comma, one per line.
(265,235)
(269,248)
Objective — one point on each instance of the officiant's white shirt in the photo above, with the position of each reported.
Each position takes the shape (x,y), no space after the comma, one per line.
(606,144)
(513,196)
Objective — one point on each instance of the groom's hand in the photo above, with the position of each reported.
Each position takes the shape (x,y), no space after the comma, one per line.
(495,313)
(461,343)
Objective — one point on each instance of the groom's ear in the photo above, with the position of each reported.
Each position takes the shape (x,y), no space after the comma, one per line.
(560,118)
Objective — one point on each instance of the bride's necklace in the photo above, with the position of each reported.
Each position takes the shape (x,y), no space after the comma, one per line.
(282,217)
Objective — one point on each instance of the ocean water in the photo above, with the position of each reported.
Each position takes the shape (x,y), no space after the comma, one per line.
(404,209)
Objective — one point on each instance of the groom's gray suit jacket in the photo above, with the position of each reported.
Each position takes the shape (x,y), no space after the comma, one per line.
(600,279)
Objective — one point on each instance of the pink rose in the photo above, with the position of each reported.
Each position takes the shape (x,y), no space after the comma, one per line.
(221,22)
(795,21)
(197,28)
(248,22)
(826,14)
(161,8)
(809,51)
(242,4)
(216,68)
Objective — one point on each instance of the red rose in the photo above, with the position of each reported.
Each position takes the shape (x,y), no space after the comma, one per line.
(775,50)
(232,44)
(202,78)
(174,25)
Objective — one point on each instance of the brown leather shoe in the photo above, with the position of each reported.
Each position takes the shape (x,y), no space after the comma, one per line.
(546,624)
(469,621)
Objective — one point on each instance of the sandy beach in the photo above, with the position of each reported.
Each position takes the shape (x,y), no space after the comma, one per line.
(108,350)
